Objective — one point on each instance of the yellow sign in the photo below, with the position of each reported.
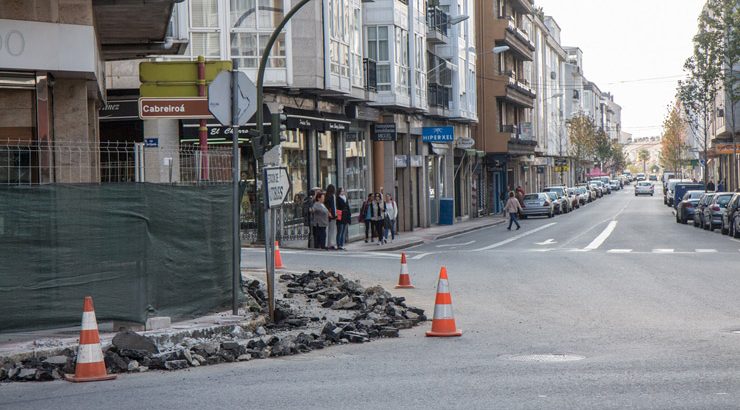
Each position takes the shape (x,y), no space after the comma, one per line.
(564,168)
(175,78)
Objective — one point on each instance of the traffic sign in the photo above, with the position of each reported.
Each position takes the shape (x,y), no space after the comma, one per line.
(152,108)
(220,98)
(175,78)
(277,185)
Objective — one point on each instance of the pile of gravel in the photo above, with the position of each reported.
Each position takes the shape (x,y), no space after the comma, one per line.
(319,309)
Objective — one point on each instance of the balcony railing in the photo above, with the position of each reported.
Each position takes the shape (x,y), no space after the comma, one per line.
(371,74)
(437,20)
(509,129)
(439,95)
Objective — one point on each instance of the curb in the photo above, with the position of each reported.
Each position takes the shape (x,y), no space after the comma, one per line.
(466,230)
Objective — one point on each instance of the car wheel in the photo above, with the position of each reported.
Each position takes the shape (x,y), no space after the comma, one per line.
(678,221)
(735,231)
(722,228)
(524,216)
(551,214)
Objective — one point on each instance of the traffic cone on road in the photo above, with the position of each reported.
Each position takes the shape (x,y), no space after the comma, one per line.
(443,323)
(278,259)
(90,365)
(404,281)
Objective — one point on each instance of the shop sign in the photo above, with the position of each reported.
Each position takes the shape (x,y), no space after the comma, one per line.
(402,161)
(417,161)
(119,110)
(214,131)
(154,108)
(151,142)
(333,125)
(384,132)
(304,123)
(438,134)
(465,143)
(526,131)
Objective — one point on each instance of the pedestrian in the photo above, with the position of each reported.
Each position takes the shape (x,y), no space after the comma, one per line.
(503,197)
(344,218)
(721,185)
(520,195)
(389,220)
(377,217)
(513,208)
(710,186)
(331,205)
(307,215)
(366,216)
(320,218)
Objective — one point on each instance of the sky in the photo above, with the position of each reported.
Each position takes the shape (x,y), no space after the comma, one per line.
(634,49)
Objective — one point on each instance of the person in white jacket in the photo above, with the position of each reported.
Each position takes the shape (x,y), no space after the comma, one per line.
(391,213)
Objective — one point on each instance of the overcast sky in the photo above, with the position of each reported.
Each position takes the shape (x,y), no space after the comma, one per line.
(628,40)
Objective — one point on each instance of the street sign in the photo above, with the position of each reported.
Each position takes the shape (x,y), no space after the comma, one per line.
(175,78)
(438,134)
(277,185)
(152,108)
(151,142)
(465,143)
(220,98)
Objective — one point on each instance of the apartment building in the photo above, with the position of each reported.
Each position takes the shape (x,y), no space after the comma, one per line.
(506,97)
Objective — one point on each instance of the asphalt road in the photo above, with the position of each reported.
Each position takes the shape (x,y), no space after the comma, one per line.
(645,307)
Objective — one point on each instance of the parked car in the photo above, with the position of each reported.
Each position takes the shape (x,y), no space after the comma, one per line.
(644,188)
(668,192)
(615,185)
(561,204)
(686,208)
(561,191)
(538,204)
(681,188)
(575,198)
(606,181)
(640,176)
(590,190)
(653,177)
(713,212)
(603,188)
(704,200)
(582,194)
(731,217)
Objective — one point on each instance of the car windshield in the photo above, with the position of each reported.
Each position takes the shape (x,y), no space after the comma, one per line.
(723,200)
(530,197)
(552,195)
(693,195)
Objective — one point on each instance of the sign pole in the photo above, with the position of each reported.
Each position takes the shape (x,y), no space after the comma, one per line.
(235,240)
(202,128)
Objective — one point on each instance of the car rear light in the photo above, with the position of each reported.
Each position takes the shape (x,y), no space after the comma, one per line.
(546,203)
(689,205)
(715,208)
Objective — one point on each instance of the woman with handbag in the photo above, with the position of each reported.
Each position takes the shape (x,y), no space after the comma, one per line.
(378,216)
(389,219)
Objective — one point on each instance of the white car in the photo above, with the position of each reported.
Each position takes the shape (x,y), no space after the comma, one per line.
(644,188)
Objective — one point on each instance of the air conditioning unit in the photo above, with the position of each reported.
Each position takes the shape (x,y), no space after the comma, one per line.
(553,75)
(576,95)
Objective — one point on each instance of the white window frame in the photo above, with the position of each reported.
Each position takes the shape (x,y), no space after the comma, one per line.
(385,64)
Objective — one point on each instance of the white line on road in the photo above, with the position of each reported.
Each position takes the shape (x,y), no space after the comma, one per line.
(602,237)
(514,238)
(662,250)
(455,244)
(705,250)
(421,255)
(547,242)
(619,251)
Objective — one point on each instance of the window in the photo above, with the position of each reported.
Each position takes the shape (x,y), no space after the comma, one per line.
(356,49)
(378,50)
(252,22)
(421,80)
(355,170)
(204,13)
(402,61)
(204,32)
(339,35)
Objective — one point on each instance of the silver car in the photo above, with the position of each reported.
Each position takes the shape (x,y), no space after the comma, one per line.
(538,204)
(644,188)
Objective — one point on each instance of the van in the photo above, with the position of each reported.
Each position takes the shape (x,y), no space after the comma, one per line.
(680,189)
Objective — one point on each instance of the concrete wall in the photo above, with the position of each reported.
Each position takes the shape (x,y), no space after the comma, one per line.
(75,132)
(49,11)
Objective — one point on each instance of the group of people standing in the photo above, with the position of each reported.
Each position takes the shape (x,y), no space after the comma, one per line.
(379,216)
(330,218)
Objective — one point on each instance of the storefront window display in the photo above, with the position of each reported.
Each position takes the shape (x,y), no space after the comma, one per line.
(327,158)
(355,178)
(295,158)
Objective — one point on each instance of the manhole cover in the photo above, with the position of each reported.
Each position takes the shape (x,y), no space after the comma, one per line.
(545,358)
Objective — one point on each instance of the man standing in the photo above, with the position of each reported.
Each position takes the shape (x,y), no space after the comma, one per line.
(710,186)
(513,207)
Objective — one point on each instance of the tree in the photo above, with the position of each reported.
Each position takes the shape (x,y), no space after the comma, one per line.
(619,160)
(644,157)
(602,148)
(581,139)
(673,145)
(699,90)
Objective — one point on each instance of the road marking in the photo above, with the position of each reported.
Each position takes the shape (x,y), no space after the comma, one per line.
(662,250)
(619,251)
(514,238)
(705,250)
(455,244)
(421,255)
(541,249)
(602,237)
(547,242)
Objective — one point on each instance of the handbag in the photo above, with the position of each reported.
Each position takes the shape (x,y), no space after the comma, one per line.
(339,215)
(387,222)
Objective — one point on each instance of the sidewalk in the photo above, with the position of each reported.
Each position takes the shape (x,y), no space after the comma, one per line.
(416,237)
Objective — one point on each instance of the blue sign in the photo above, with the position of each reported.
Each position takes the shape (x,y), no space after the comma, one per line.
(151,142)
(437,134)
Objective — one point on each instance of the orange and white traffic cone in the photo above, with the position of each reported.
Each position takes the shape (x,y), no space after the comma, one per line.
(278,259)
(443,323)
(404,281)
(90,365)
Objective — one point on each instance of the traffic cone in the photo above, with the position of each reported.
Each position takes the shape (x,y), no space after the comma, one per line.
(443,324)
(90,365)
(278,259)
(404,281)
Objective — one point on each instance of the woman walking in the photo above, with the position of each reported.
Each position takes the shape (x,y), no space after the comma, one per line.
(513,208)
(320,218)
(344,218)
(389,221)
(366,216)
(331,205)
(378,215)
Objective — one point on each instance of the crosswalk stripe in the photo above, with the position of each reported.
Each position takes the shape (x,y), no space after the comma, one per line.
(662,250)
(705,250)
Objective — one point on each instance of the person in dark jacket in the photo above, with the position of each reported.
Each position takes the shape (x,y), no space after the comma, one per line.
(366,216)
(331,204)
(344,218)
(320,217)
(710,186)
